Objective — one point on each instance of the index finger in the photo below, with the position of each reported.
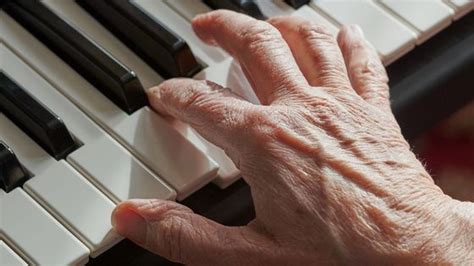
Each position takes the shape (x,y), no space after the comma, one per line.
(262,52)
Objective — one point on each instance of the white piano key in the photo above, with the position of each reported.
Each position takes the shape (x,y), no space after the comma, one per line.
(72,12)
(38,236)
(461,7)
(34,158)
(228,74)
(188,8)
(228,172)
(140,131)
(120,176)
(390,37)
(181,168)
(271,8)
(75,202)
(109,166)
(164,13)
(427,17)
(8,257)
(67,195)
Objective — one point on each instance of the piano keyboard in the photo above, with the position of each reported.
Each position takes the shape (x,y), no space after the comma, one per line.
(76,135)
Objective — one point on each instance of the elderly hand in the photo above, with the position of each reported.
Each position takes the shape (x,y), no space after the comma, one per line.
(332,178)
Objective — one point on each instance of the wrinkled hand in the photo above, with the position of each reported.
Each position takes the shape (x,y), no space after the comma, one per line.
(332,178)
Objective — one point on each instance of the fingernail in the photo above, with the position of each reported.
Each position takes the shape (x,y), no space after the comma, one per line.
(129,224)
(357,30)
(154,99)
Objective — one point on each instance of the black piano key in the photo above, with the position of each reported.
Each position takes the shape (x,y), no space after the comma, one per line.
(297,3)
(248,7)
(162,49)
(106,73)
(41,124)
(12,173)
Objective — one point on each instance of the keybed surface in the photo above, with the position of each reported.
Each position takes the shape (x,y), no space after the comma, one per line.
(120,148)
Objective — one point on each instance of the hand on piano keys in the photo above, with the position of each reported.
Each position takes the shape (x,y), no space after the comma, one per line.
(86,64)
(323,155)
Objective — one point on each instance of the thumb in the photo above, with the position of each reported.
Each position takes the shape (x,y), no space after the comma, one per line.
(173,231)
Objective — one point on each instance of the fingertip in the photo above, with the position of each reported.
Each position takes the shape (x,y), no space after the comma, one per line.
(348,34)
(124,206)
(155,100)
(199,25)
(153,93)
(202,25)
(127,222)
(161,97)
(356,29)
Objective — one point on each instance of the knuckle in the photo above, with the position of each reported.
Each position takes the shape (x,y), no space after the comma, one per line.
(312,31)
(194,96)
(357,44)
(225,116)
(257,35)
(324,50)
(370,69)
(261,126)
(326,109)
(371,76)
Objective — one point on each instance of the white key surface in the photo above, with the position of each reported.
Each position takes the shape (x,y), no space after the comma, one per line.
(75,202)
(8,257)
(271,8)
(390,37)
(110,167)
(181,168)
(76,15)
(68,196)
(163,145)
(461,7)
(39,237)
(188,8)
(227,173)
(427,17)
(118,175)
(166,15)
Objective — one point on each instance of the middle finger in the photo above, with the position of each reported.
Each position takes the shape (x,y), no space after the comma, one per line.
(316,51)
(260,49)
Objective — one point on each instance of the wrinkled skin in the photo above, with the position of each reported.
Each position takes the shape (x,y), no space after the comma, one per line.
(332,178)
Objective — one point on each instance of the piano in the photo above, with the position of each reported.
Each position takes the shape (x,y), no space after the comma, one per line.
(77,135)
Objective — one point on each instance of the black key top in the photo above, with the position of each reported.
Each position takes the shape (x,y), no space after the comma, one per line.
(42,125)
(106,73)
(162,49)
(297,3)
(12,173)
(248,7)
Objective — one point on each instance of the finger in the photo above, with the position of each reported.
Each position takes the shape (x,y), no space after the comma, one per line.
(315,50)
(262,53)
(216,113)
(366,72)
(173,231)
